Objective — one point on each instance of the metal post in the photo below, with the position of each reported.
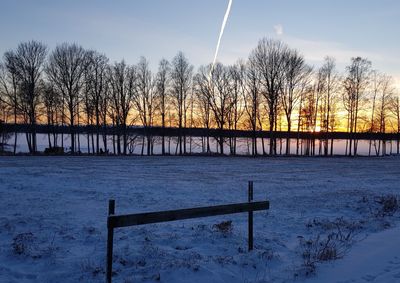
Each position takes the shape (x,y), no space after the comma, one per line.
(110,238)
(250,220)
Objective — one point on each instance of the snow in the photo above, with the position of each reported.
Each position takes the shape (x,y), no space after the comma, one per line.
(376,259)
(54,209)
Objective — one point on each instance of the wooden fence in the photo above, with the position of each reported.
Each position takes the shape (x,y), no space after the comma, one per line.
(118,221)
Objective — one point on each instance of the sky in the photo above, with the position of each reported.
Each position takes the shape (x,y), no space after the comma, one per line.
(128,29)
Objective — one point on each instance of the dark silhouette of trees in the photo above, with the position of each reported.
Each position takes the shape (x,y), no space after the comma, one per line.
(252,102)
(202,96)
(330,84)
(104,109)
(274,90)
(26,62)
(96,81)
(385,94)
(181,84)
(122,93)
(145,99)
(88,103)
(237,74)
(296,73)
(163,95)
(355,86)
(65,70)
(269,59)
(9,89)
(395,111)
(309,111)
(375,88)
(52,105)
(220,99)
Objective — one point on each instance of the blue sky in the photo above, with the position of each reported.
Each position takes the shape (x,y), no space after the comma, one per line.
(159,28)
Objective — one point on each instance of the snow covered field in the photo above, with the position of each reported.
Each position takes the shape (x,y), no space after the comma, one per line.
(53,219)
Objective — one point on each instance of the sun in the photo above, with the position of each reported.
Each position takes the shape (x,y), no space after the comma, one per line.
(317,128)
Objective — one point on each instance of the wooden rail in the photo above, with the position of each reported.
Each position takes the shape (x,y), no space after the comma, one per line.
(118,221)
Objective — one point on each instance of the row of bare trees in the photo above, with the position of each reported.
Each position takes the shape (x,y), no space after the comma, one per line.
(273,90)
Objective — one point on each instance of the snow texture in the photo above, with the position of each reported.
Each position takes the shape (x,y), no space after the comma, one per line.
(54,210)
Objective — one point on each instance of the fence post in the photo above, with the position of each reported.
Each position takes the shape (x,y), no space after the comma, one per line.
(250,218)
(110,238)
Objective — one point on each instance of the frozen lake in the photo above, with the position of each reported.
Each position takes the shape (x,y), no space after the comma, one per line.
(59,205)
(194,145)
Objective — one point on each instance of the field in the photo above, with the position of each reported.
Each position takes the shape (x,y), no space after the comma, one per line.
(54,209)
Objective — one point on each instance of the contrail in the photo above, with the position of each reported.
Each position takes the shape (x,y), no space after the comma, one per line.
(220,35)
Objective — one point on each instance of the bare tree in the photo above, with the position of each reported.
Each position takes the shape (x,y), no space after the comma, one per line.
(4,113)
(202,97)
(162,88)
(296,73)
(269,59)
(309,112)
(355,85)
(220,99)
(9,89)
(375,89)
(144,100)
(395,110)
(122,88)
(28,60)
(52,106)
(88,103)
(237,74)
(330,88)
(385,94)
(97,80)
(252,101)
(65,70)
(104,109)
(181,83)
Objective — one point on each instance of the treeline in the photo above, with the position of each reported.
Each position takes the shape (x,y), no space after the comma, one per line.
(273,90)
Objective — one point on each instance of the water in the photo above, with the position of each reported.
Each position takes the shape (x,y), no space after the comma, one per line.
(194,145)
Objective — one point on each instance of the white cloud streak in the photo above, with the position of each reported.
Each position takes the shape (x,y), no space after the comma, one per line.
(228,9)
(278,29)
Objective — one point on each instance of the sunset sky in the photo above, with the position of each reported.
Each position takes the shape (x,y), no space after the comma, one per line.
(158,28)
